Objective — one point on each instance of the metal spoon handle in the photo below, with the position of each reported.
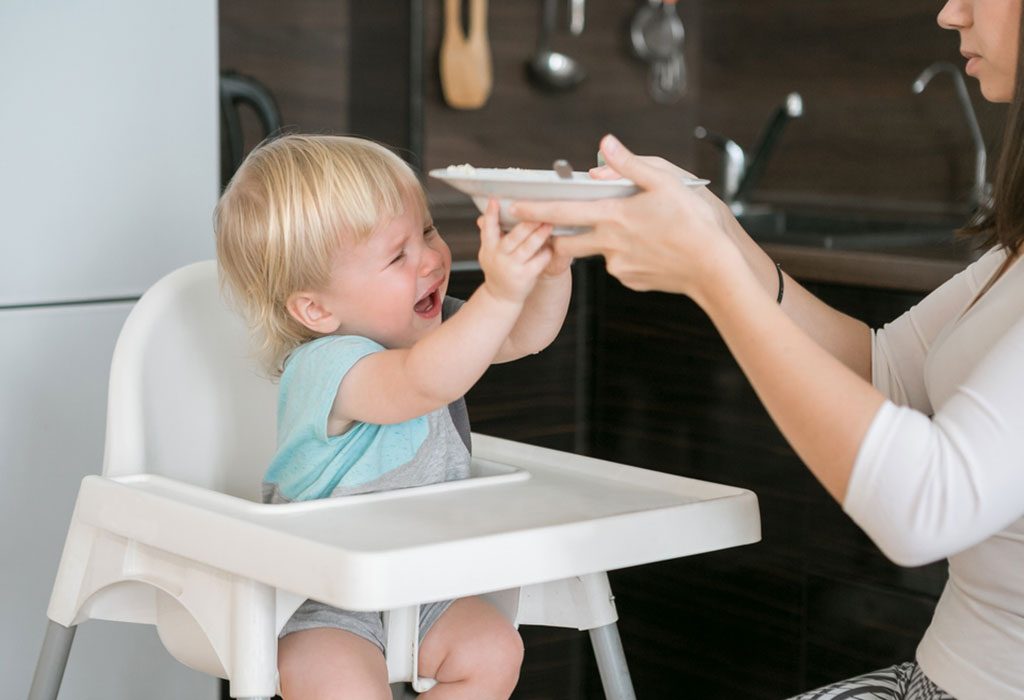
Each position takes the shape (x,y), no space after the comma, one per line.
(549,18)
(576,16)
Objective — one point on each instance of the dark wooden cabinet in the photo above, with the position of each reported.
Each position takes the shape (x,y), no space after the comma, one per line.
(644,379)
(813,602)
(535,400)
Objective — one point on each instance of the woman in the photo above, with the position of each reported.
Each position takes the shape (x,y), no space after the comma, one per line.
(916,429)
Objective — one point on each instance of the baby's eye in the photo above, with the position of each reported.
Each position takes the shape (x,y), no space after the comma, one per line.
(429,231)
(397,258)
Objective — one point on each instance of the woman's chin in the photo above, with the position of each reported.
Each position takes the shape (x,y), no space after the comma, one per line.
(995,92)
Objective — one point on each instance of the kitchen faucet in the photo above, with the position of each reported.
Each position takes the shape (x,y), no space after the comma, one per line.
(740,173)
(980,190)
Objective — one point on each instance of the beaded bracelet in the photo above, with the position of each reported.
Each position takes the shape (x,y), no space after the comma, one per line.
(778,269)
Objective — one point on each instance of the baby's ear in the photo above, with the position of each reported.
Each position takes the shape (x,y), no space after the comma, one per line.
(306,308)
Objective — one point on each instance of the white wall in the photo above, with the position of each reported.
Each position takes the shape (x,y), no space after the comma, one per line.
(109,171)
(52,416)
(109,154)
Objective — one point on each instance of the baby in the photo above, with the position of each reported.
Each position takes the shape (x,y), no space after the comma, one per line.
(328,245)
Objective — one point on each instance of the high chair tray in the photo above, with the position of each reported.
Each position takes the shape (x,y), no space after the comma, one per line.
(531,515)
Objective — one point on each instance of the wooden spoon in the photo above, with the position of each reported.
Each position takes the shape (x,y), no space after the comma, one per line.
(465,60)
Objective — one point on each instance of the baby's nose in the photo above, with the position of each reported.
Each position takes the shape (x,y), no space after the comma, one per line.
(430,261)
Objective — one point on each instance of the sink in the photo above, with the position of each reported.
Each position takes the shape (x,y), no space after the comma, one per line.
(846,231)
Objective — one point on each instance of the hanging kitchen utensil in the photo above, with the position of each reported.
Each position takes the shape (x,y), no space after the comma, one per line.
(466,77)
(668,78)
(549,69)
(577,16)
(657,34)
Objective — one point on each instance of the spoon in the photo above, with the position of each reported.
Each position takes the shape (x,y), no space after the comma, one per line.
(550,69)
(562,167)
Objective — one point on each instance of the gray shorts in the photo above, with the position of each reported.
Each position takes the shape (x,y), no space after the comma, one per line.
(368,625)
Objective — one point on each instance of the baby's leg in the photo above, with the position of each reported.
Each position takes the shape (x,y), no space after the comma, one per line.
(331,664)
(473,652)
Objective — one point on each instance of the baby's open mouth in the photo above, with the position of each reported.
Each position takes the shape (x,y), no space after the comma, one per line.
(427,304)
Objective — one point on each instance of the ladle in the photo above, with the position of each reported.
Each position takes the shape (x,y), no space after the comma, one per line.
(550,69)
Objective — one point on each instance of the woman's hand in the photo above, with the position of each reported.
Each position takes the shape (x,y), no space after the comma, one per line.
(668,237)
(513,261)
(607,172)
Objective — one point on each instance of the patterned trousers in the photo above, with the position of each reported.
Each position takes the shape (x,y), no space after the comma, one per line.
(900,682)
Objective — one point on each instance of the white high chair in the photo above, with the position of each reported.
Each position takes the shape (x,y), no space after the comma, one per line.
(172,534)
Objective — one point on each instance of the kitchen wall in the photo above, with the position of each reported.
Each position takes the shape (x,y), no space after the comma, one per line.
(524,126)
(299,50)
(864,133)
(865,139)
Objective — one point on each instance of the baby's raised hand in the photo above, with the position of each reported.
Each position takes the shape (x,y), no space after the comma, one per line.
(512,262)
(558,264)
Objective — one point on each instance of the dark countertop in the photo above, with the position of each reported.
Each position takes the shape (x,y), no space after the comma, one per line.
(915,269)
(918,268)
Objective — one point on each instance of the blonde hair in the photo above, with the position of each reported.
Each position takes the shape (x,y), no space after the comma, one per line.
(284,215)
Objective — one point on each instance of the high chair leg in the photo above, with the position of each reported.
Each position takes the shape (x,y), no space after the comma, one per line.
(254,648)
(53,658)
(611,663)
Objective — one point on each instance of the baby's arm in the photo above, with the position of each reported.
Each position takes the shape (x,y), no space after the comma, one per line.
(544,310)
(543,313)
(392,386)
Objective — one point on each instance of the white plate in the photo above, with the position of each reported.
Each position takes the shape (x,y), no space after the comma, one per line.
(508,184)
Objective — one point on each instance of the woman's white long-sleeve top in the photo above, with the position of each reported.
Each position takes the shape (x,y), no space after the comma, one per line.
(940,473)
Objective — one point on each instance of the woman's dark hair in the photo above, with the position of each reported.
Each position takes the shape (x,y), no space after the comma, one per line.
(1001,219)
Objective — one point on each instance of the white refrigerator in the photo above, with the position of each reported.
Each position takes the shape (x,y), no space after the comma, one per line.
(108,177)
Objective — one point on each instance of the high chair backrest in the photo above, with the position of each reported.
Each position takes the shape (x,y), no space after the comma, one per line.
(187,398)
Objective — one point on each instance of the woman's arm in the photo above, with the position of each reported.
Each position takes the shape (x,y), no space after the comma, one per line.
(846,338)
(821,406)
(924,489)
(670,238)
(921,487)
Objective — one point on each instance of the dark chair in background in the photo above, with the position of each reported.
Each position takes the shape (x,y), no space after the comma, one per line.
(237,90)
